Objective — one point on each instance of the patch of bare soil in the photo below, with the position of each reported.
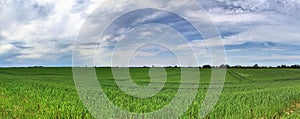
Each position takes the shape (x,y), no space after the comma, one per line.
(293,108)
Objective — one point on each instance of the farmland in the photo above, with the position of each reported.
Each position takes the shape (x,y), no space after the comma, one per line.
(248,93)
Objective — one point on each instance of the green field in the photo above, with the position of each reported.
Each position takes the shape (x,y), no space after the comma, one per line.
(248,93)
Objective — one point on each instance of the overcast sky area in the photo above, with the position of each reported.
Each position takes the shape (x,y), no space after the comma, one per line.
(43,32)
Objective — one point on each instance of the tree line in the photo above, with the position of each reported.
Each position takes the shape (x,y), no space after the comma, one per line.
(240,66)
(253,66)
(204,66)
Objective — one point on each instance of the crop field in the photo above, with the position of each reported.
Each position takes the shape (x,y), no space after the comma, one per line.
(248,93)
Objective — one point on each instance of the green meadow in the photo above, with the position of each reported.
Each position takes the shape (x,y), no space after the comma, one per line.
(248,93)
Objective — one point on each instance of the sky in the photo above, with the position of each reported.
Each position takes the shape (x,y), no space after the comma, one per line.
(43,33)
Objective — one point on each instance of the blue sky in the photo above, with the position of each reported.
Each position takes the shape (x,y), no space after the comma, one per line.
(43,32)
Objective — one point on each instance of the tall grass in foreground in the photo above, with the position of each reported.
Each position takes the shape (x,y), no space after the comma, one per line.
(50,93)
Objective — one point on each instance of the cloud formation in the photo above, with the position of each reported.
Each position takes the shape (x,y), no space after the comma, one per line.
(42,32)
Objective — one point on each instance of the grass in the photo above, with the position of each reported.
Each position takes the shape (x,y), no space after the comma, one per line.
(51,93)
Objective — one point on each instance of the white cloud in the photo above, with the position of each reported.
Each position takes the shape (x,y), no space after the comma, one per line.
(156,15)
(4,47)
(48,27)
(279,57)
(276,34)
(237,18)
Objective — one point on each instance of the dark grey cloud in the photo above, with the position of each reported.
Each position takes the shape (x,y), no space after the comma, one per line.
(275,6)
(21,45)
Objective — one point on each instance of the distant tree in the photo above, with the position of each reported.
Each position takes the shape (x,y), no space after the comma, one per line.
(206,66)
(283,66)
(224,66)
(37,66)
(278,66)
(264,67)
(255,66)
(237,66)
(295,66)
